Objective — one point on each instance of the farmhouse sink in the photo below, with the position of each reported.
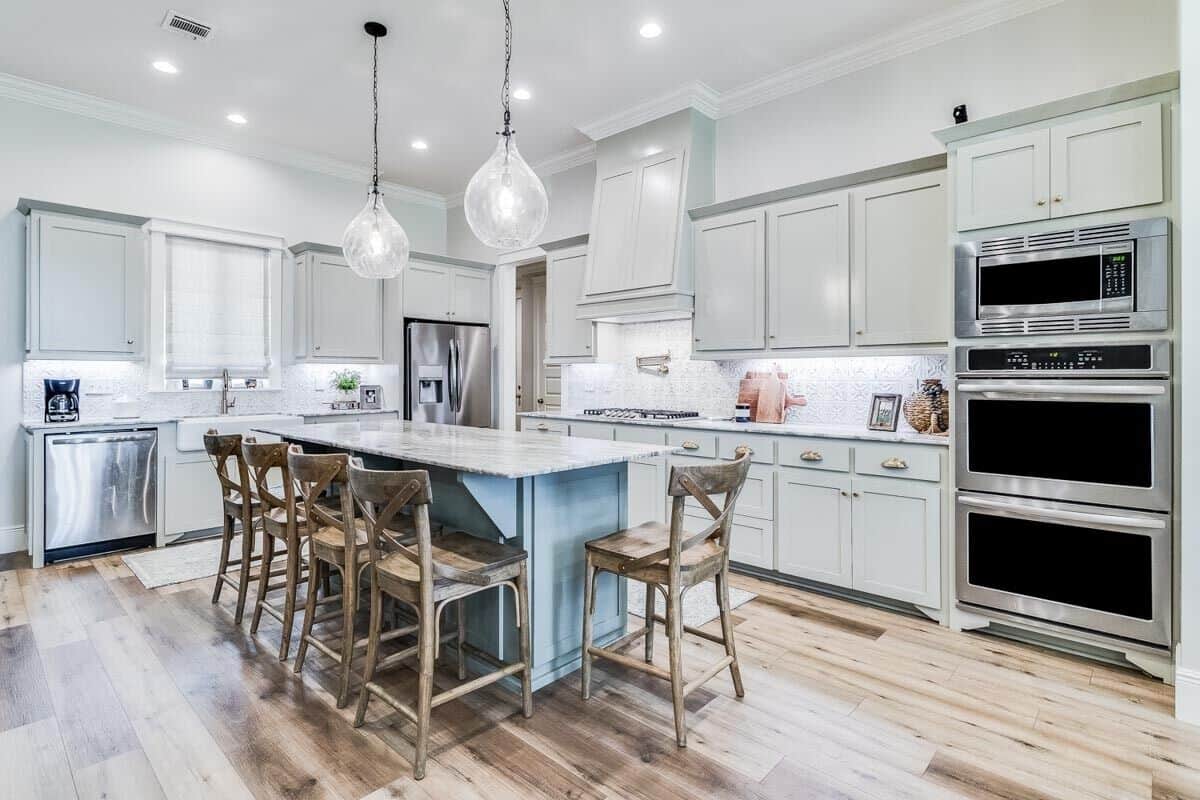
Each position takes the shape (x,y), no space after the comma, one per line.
(189,434)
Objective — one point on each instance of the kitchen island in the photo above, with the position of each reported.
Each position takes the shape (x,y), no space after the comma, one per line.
(546,495)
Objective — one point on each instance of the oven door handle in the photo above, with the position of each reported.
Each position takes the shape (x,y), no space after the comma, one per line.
(1068,516)
(1068,390)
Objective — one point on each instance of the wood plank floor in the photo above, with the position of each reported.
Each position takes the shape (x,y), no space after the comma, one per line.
(110,690)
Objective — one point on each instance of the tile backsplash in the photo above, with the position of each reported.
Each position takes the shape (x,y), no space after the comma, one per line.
(838,389)
(305,389)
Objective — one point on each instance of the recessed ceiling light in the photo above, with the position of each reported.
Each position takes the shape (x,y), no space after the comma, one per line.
(522,94)
(650,30)
(236,118)
(420,144)
(165,66)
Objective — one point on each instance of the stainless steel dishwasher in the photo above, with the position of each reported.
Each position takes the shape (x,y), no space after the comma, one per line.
(101,492)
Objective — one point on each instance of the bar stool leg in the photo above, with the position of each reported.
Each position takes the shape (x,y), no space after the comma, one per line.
(349,608)
(460,612)
(223,563)
(527,673)
(244,572)
(310,608)
(675,642)
(651,589)
(364,695)
(264,578)
(289,601)
(585,657)
(424,689)
(735,672)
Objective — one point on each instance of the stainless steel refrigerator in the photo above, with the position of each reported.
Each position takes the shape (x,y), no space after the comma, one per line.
(448,374)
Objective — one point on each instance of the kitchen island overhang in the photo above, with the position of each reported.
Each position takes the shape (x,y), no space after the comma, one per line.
(546,494)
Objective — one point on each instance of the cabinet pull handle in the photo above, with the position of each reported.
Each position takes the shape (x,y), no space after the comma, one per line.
(845,493)
(894,463)
(690,445)
(811,455)
(857,494)
(543,426)
(1042,202)
(129,341)
(316,347)
(858,333)
(1058,198)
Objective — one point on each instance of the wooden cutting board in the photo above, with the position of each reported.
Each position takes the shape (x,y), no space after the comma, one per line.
(767,395)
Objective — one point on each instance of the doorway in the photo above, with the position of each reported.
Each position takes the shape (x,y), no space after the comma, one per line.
(538,385)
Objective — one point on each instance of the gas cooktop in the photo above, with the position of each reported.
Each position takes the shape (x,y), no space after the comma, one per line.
(640,413)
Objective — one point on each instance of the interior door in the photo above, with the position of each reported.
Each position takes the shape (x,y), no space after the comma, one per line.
(1003,181)
(1110,161)
(808,272)
(347,311)
(730,274)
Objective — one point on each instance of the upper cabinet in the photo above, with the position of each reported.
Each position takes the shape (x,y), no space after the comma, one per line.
(338,316)
(809,271)
(1098,163)
(730,273)
(568,338)
(85,286)
(439,291)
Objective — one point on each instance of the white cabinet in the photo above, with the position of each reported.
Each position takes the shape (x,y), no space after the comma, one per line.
(444,292)
(814,526)
(751,541)
(897,540)
(612,231)
(339,316)
(656,220)
(647,491)
(1098,163)
(808,272)
(901,261)
(86,288)
(568,338)
(730,275)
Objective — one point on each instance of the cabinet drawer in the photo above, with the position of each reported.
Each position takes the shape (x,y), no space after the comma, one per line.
(758,495)
(763,447)
(914,462)
(544,426)
(694,443)
(592,430)
(640,433)
(828,454)
(751,541)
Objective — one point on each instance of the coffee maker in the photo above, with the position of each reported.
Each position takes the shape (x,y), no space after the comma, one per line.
(62,399)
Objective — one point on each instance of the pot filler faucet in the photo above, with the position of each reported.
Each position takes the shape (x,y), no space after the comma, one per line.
(226,401)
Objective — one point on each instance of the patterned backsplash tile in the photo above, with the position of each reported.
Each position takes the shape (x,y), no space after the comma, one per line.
(838,389)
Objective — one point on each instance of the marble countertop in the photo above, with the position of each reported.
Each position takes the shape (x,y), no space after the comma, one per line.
(506,454)
(103,423)
(817,430)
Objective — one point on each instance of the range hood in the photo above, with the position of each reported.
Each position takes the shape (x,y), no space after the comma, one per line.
(639,247)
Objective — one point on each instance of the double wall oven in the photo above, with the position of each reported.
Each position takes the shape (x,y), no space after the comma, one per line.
(1064,484)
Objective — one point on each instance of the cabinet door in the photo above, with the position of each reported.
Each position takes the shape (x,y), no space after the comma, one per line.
(346,311)
(91,286)
(426,291)
(567,336)
(1106,162)
(901,261)
(647,491)
(470,295)
(897,540)
(611,241)
(751,541)
(1002,181)
(814,526)
(656,221)
(808,272)
(730,274)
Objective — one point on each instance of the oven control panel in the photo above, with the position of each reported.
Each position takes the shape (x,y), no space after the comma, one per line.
(1122,358)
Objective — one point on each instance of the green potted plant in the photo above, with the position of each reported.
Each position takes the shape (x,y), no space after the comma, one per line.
(346,382)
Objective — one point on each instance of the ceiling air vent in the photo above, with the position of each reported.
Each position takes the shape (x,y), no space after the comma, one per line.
(185,25)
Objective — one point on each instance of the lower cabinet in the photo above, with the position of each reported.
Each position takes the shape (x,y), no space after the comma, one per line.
(814,526)
(897,539)
(751,541)
(647,488)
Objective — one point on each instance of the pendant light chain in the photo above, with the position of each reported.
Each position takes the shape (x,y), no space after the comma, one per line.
(375,129)
(504,101)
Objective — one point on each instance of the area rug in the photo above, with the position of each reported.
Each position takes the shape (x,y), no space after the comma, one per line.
(699,602)
(179,563)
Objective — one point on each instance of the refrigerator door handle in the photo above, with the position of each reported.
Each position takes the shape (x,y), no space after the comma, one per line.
(454,376)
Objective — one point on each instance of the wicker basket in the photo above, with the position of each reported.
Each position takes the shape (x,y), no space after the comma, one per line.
(928,409)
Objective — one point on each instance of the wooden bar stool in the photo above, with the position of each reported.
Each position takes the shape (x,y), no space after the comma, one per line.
(280,520)
(671,560)
(429,576)
(238,504)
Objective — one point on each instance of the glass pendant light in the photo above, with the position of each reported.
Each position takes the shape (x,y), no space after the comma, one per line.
(374,244)
(505,203)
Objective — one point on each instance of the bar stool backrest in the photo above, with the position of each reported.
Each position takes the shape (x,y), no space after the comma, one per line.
(261,459)
(221,447)
(315,473)
(701,483)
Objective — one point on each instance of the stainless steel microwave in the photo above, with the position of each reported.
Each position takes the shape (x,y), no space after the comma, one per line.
(1112,277)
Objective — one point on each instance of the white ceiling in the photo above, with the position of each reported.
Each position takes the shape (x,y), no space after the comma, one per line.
(300,69)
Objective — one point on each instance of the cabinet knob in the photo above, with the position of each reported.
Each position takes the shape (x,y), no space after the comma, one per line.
(1058,198)
(857,494)
(894,463)
(858,333)
(588,346)
(1042,202)
(772,336)
(129,341)
(845,493)
(697,338)
(316,347)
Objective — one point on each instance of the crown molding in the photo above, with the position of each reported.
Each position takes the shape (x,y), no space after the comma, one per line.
(24,90)
(697,95)
(568,159)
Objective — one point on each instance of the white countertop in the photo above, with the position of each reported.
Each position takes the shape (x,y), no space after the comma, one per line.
(105,423)
(485,451)
(817,430)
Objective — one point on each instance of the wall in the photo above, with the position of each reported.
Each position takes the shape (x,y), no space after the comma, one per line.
(838,390)
(64,158)
(885,113)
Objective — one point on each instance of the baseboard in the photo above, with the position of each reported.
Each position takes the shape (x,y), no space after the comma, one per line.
(12,539)
(1187,694)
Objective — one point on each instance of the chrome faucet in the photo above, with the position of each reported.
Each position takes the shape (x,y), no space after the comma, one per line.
(226,402)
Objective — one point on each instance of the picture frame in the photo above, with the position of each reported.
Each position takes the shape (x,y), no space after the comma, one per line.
(885,412)
(370,397)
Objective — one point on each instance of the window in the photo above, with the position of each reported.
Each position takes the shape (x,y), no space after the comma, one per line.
(218,309)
